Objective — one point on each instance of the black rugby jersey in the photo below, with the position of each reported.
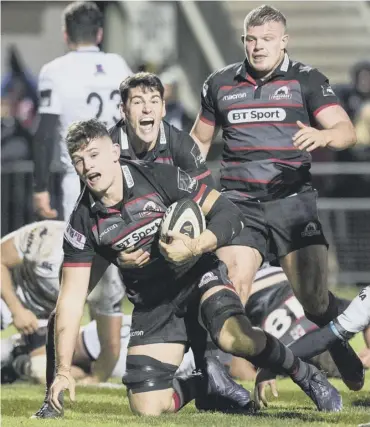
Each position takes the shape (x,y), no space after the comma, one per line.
(277,310)
(173,147)
(258,119)
(149,189)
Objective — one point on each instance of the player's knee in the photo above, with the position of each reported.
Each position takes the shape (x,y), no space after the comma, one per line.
(145,374)
(215,312)
(150,404)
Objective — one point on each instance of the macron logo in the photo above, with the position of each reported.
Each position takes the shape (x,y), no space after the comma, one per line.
(250,115)
(235,96)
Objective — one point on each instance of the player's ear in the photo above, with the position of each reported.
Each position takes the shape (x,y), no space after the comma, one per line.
(164,109)
(116,152)
(122,110)
(284,41)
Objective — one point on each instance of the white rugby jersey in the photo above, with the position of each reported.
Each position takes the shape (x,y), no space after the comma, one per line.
(81,85)
(40,245)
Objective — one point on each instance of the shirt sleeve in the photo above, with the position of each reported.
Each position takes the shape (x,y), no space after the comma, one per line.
(319,93)
(78,245)
(49,97)
(188,158)
(207,110)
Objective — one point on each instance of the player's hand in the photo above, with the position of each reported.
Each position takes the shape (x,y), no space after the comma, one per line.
(179,250)
(364,356)
(63,381)
(25,321)
(89,380)
(264,378)
(133,259)
(41,205)
(308,138)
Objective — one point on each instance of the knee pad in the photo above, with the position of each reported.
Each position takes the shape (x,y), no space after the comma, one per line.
(219,307)
(144,373)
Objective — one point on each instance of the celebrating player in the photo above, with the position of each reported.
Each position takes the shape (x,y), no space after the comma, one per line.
(269,108)
(167,289)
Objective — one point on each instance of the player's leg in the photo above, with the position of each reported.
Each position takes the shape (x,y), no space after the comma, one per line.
(300,244)
(224,317)
(150,371)
(246,253)
(71,191)
(353,320)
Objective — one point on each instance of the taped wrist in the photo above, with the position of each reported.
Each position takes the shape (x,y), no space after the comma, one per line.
(225,221)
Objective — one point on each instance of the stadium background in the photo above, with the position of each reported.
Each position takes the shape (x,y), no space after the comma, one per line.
(184,42)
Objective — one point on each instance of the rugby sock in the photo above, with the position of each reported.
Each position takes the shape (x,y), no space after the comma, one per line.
(280,359)
(187,388)
(50,354)
(316,342)
(334,308)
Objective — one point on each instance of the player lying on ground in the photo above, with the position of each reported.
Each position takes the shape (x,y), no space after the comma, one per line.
(144,135)
(169,290)
(31,258)
(273,112)
(354,319)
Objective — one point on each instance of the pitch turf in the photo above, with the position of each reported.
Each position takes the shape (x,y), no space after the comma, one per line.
(109,407)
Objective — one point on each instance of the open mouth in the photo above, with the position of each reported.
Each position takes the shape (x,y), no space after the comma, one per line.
(93,178)
(258,58)
(146,125)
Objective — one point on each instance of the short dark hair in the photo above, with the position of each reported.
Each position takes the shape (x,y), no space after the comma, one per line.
(144,80)
(82,21)
(81,133)
(262,14)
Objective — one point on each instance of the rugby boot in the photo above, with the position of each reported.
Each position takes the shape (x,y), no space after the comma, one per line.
(325,396)
(349,365)
(47,411)
(223,393)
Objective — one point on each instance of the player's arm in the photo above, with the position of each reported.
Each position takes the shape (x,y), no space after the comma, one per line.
(337,131)
(23,319)
(43,141)
(79,252)
(188,157)
(224,220)
(205,128)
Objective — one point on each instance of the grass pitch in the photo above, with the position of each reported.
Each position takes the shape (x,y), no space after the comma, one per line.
(109,407)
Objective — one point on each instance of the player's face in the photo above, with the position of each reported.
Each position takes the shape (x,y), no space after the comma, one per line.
(144,111)
(95,164)
(264,46)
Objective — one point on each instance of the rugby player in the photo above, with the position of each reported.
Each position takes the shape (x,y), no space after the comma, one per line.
(76,86)
(168,290)
(142,103)
(31,258)
(273,112)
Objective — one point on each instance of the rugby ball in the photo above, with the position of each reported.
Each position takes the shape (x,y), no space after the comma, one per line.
(184,216)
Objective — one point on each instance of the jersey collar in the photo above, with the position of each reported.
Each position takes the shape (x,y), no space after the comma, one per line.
(126,148)
(91,48)
(97,206)
(243,70)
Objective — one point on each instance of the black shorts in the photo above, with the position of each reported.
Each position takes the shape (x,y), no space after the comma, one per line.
(278,227)
(170,322)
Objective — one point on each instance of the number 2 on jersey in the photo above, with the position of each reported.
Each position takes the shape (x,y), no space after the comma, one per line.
(95,99)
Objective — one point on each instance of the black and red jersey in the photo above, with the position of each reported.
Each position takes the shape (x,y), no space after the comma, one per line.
(149,189)
(258,119)
(173,147)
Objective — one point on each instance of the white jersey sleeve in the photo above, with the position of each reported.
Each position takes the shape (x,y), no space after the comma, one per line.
(50,101)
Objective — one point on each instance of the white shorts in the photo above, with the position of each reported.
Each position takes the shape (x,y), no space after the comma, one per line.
(92,346)
(6,315)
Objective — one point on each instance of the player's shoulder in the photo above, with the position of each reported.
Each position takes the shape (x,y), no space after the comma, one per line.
(117,61)
(225,73)
(54,67)
(305,72)
(174,134)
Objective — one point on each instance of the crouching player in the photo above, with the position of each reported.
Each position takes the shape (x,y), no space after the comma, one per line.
(167,290)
